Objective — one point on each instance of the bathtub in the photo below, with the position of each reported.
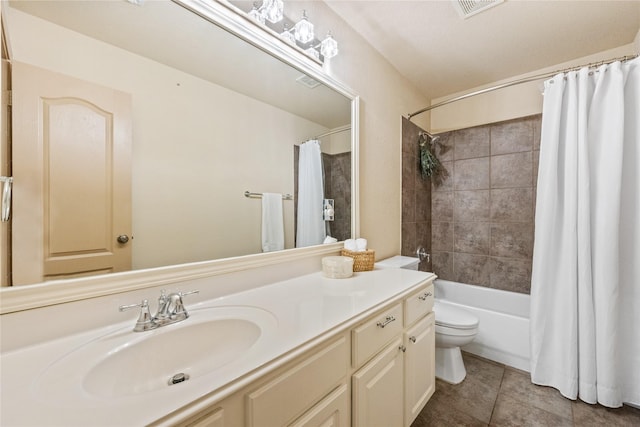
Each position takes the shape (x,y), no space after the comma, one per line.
(503,332)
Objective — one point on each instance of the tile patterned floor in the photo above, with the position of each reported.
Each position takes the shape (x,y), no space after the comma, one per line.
(496,395)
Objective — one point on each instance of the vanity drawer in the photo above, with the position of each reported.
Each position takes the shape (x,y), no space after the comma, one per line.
(297,389)
(418,304)
(371,336)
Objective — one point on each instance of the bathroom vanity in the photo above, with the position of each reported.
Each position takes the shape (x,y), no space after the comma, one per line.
(304,351)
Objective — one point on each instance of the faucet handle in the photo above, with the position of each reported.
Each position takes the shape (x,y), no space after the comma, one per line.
(178,309)
(145,321)
(182,294)
(142,305)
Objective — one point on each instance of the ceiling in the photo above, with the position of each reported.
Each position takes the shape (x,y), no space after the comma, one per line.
(441,53)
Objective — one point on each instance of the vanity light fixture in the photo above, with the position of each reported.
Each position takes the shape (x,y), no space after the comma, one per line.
(270,10)
(273,10)
(256,14)
(303,30)
(312,52)
(329,46)
(301,35)
(287,36)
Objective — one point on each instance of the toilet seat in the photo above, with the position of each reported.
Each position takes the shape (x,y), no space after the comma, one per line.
(445,330)
(453,321)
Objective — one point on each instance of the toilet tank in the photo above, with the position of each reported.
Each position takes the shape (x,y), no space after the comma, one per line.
(398,261)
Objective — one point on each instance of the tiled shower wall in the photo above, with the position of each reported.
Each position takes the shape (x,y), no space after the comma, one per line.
(416,197)
(483,211)
(337,183)
(478,222)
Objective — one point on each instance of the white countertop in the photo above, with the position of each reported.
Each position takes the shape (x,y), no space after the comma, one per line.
(306,309)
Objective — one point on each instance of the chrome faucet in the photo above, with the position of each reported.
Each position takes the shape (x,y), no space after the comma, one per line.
(170,310)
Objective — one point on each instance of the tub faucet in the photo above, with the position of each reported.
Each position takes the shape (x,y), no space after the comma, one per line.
(170,310)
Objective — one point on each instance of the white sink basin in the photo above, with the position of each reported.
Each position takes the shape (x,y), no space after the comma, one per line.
(125,363)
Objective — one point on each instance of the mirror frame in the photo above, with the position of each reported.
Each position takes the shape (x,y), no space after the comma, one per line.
(26,297)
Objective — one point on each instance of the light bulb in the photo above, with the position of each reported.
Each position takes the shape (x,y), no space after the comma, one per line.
(287,36)
(313,52)
(329,47)
(303,30)
(273,10)
(256,15)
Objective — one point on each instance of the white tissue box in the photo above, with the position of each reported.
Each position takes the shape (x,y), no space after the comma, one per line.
(337,267)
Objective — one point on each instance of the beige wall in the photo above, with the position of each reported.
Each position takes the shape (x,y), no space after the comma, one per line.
(385,97)
(176,159)
(508,103)
(337,143)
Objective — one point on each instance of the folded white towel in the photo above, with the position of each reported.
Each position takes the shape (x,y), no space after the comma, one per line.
(272,222)
(330,239)
(361,245)
(350,245)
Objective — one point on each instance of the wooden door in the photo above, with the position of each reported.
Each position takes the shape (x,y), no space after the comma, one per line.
(72,177)
(5,170)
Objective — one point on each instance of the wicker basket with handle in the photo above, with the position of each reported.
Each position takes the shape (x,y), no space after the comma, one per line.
(362,261)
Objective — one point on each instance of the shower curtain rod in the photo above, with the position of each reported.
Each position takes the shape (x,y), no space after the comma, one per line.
(520,81)
(331,132)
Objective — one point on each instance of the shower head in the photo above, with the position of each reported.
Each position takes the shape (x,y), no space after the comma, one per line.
(432,138)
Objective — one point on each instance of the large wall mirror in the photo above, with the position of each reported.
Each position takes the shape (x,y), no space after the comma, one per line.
(211,115)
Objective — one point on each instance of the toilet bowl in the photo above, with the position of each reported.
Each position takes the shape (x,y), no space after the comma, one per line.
(455,327)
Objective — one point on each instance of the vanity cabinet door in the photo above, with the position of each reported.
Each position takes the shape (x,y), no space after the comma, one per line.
(332,411)
(420,366)
(213,418)
(378,389)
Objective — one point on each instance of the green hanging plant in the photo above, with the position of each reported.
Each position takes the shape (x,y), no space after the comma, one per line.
(429,163)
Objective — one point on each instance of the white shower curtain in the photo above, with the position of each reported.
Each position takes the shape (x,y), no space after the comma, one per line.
(585,285)
(310,228)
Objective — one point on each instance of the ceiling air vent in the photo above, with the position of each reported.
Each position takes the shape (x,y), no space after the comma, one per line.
(467,8)
(307,81)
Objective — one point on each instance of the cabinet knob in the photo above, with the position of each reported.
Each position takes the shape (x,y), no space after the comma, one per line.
(402,348)
(412,338)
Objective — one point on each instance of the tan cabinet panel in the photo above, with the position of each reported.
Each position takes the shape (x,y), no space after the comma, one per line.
(419,367)
(371,336)
(332,411)
(378,389)
(418,304)
(288,395)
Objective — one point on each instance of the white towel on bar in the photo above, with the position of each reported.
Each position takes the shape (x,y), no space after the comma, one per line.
(272,222)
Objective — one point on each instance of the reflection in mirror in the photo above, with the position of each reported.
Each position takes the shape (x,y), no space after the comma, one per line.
(184,115)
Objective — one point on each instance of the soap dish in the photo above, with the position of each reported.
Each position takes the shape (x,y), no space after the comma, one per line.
(337,267)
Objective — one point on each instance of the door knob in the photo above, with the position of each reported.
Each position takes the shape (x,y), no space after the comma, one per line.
(123,238)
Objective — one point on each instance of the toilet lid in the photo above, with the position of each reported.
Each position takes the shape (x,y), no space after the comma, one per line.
(453,317)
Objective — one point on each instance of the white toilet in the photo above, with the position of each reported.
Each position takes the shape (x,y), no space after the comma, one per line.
(455,327)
